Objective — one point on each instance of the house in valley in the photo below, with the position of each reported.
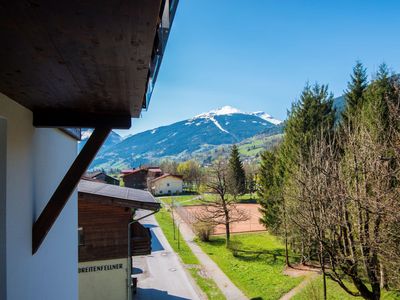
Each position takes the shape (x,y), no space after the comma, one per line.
(166,184)
(101,177)
(139,178)
(109,235)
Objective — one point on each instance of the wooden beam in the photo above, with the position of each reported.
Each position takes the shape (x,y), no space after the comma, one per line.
(56,119)
(66,187)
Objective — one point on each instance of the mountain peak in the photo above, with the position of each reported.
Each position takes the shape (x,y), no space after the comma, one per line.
(266,117)
(225,110)
(229,110)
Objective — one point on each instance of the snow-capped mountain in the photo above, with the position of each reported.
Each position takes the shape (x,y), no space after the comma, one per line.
(181,140)
(112,139)
(266,117)
(229,110)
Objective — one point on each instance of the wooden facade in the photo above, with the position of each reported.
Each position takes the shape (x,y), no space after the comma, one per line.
(136,180)
(103,225)
(103,229)
(139,179)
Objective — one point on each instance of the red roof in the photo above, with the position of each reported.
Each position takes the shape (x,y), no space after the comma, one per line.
(127,171)
(133,171)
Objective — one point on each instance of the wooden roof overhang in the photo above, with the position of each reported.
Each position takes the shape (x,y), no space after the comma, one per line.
(81,64)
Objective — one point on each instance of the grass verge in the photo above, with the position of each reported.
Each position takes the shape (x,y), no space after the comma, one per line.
(258,276)
(207,285)
(314,291)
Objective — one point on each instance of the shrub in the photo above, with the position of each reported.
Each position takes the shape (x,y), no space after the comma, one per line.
(203,230)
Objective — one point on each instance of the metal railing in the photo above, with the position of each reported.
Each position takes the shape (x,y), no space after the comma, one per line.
(168,10)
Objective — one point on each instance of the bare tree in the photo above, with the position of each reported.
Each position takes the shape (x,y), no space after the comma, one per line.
(169,166)
(349,205)
(222,209)
(251,173)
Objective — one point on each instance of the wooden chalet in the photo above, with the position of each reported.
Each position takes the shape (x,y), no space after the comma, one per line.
(139,178)
(106,217)
(101,177)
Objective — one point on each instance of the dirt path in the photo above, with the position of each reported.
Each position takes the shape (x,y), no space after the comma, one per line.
(299,270)
(211,269)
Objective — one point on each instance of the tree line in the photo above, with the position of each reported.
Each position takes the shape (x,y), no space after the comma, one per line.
(331,189)
(196,177)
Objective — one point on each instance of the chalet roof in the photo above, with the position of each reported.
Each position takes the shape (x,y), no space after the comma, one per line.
(165,176)
(84,177)
(142,169)
(120,196)
(127,171)
(96,174)
(93,174)
(134,172)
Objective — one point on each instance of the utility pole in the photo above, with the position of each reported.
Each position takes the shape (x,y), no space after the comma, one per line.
(179,244)
(172,212)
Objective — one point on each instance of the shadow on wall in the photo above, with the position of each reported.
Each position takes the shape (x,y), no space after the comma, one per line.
(154,294)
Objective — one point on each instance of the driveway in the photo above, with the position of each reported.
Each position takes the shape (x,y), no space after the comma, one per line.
(161,275)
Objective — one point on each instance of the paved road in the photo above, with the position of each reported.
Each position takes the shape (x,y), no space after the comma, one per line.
(161,275)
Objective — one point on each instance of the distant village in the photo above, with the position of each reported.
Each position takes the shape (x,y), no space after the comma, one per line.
(149,178)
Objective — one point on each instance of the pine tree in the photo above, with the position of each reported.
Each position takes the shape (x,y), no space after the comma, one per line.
(236,174)
(269,191)
(380,95)
(355,94)
(310,117)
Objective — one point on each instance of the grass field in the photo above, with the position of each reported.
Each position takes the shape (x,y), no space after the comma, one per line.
(207,285)
(258,277)
(256,145)
(181,200)
(314,291)
(185,200)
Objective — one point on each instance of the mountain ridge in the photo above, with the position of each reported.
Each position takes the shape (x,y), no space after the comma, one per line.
(179,140)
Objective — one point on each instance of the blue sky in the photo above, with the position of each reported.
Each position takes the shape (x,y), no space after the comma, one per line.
(258,54)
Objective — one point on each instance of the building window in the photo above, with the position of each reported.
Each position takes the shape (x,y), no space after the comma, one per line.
(81,237)
(167,184)
(169,192)
(160,192)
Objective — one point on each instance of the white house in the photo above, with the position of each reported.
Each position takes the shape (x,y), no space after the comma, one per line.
(166,184)
(64,66)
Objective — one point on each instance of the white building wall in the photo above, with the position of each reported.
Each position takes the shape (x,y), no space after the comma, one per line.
(37,160)
(103,280)
(164,185)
